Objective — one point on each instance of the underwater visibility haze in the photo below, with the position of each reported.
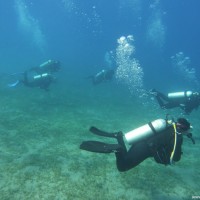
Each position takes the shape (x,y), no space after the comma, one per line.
(146,44)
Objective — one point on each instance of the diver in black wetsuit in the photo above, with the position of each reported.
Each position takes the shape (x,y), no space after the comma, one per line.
(40,76)
(102,76)
(187,101)
(161,139)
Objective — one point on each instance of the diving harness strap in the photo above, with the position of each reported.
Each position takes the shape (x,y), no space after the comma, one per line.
(189,135)
(175,140)
(172,122)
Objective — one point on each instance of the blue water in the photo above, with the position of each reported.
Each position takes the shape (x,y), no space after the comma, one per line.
(84,36)
(79,33)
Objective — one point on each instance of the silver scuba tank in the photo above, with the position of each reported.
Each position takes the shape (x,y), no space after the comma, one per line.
(145,131)
(40,76)
(180,95)
(45,63)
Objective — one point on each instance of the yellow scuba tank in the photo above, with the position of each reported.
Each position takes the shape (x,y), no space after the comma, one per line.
(180,95)
(145,131)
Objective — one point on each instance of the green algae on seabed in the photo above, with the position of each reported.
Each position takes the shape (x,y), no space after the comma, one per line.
(40,156)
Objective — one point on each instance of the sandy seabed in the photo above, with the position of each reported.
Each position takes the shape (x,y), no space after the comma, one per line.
(40,134)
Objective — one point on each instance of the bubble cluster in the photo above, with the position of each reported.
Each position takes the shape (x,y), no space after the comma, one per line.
(109,59)
(69,6)
(182,67)
(135,6)
(156,30)
(30,25)
(129,71)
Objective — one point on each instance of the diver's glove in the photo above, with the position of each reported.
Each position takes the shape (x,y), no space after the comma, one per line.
(189,135)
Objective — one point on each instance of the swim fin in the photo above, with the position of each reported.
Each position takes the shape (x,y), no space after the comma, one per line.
(13,84)
(99,147)
(96,131)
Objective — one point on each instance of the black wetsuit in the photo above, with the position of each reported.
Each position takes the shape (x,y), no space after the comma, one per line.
(104,75)
(160,147)
(186,104)
(43,82)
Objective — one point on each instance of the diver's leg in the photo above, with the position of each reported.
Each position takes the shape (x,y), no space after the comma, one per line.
(163,101)
(135,155)
(26,76)
(25,79)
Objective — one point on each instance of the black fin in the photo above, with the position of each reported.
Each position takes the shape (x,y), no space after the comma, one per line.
(96,131)
(189,135)
(99,147)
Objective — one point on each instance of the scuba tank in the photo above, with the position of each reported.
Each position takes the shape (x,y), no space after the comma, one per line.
(40,76)
(180,95)
(99,77)
(145,131)
(49,66)
(45,64)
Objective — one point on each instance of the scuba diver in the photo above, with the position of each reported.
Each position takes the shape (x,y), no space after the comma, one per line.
(102,76)
(187,100)
(42,81)
(41,76)
(161,139)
